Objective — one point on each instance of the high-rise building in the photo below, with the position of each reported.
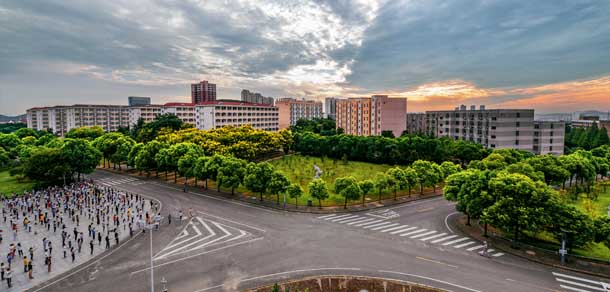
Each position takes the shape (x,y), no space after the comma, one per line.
(255,97)
(416,123)
(213,115)
(549,137)
(330,107)
(202,92)
(138,100)
(492,128)
(366,116)
(291,110)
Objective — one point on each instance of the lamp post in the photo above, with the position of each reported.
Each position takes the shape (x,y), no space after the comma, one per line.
(150,228)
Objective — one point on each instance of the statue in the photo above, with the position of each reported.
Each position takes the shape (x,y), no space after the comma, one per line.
(317,171)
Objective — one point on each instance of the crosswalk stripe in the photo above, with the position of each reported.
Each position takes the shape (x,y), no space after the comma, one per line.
(340,216)
(344,218)
(326,216)
(444,238)
(343,221)
(394,228)
(498,255)
(423,234)
(413,232)
(403,230)
(361,221)
(373,225)
(580,284)
(367,223)
(465,244)
(490,250)
(573,289)
(475,248)
(433,236)
(576,278)
(384,226)
(456,241)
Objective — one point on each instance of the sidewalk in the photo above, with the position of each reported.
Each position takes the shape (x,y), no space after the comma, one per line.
(60,265)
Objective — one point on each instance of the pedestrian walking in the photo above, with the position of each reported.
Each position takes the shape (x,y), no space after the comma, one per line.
(31,251)
(169,218)
(9,277)
(30,269)
(107,242)
(91,246)
(49,261)
(1,271)
(25,264)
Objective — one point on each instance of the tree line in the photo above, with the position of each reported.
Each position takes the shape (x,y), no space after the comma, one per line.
(585,138)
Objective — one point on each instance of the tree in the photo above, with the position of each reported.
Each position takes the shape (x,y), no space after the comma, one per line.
(231,173)
(602,230)
(212,167)
(89,133)
(4,158)
(47,165)
(9,141)
(278,184)
(470,190)
(551,167)
(342,185)
(382,182)
(186,163)
(258,176)
(448,168)
(82,157)
(525,169)
(133,153)
(396,179)
(201,172)
(145,159)
(577,226)
(366,186)
(294,192)
(122,146)
(318,190)
(411,179)
(520,203)
(26,132)
(428,174)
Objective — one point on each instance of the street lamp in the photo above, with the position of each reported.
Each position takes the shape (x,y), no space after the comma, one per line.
(150,228)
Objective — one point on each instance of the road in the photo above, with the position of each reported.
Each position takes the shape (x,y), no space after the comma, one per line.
(232,245)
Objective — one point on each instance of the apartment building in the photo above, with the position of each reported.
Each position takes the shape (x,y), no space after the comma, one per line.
(202,92)
(416,123)
(255,97)
(291,110)
(549,137)
(60,119)
(212,115)
(147,112)
(330,108)
(366,116)
(183,110)
(492,128)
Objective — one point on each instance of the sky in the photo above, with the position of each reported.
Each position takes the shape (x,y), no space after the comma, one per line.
(551,55)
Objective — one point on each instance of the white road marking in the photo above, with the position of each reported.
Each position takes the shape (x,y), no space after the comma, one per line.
(443,239)
(394,228)
(403,230)
(350,220)
(430,279)
(576,278)
(384,226)
(378,224)
(413,232)
(464,244)
(573,289)
(433,236)
(456,241)
(498,255)
(235,222)
(580,284)
(370,222)
(423,234)
(338,219)
(360,221)
(326,216)
(447,224)
(475,248)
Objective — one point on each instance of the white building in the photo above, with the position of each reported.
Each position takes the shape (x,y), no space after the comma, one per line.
(213,115)
(147,112)
(60,119)
(184,111)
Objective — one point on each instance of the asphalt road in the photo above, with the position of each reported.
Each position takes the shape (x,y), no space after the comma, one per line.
(231,245)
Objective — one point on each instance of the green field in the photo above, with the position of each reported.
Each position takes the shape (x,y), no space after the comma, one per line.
(299,169)
(595,207)
(10,184)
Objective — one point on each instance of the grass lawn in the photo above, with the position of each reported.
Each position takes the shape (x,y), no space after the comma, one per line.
(10,184)
(299,169)
(596,207)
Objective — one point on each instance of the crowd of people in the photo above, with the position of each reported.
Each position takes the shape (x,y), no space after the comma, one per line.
(61,216)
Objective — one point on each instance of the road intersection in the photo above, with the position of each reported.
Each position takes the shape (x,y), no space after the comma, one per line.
(230,245)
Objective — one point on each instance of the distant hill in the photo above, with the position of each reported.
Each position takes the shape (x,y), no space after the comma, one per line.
(4,118)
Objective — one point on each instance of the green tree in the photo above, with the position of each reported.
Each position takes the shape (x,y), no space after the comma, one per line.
(520,203)
(428,174)
(26,132)
(187,163)
(448,168)
(396,179)
(212,167)
(470,190)
(577,226)
(80,155)
(133,153)
(602,230)
(294,192)
(278,184)
(47,165)
(551,167)
(231,173)
(145,159)
(89,133)
(258,176)
(351,192)
(122,146)
(411,179)
(9,141)
(318,190)
(525,169)
(366,186)
(201,171)
(343,187)
(382,182)
(4,158)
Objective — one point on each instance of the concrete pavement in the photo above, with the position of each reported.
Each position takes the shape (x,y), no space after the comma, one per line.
(280,245)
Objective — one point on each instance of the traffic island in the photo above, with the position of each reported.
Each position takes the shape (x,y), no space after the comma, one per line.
(551,258)
(344,283)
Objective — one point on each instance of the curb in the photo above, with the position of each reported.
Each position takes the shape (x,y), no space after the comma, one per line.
(510,251)
(414,198)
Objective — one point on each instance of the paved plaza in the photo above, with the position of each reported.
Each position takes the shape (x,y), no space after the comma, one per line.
(70,225)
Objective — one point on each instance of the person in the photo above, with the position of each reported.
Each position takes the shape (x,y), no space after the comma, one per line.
(9,277)
(180,215)
(485,249)
(25,265)
(30,268)
(169,218)
(1,271)
(107,242)
(31,250)
(49,264)
(91,245)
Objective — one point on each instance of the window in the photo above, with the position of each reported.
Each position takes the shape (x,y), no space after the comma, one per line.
(550,148)
(493,145)
(493,136)
(551,141)
(493,127)
(516,142)
(493,118)
(518,115)
(517,133)
(518,124)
